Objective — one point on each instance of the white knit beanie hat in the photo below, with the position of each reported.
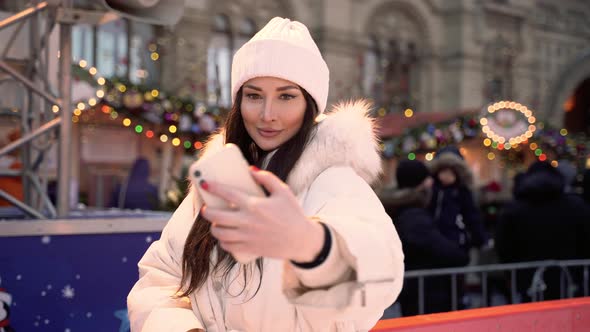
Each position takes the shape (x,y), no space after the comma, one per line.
(283,49)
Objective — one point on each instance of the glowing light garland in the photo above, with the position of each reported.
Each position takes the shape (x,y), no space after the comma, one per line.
(505,128)
(174,116)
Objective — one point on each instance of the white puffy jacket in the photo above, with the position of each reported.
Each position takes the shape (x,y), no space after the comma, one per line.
(362,276)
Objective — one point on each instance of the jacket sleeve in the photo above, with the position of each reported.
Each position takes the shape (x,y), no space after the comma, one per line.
(151,303)
(367,244)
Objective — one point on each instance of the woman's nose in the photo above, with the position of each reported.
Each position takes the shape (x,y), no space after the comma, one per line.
(267,112)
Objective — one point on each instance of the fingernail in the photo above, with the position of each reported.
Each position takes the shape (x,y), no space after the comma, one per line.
(255,169)
(204,184)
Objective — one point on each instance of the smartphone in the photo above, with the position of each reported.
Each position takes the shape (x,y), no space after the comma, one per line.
(229,167)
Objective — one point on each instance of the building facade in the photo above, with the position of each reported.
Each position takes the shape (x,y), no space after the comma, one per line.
(427,55)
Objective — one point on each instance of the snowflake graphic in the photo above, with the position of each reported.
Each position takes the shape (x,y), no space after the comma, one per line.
(68,292)
(46,239)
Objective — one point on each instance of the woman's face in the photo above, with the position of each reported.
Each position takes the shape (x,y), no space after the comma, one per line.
(273,110)
(447,177)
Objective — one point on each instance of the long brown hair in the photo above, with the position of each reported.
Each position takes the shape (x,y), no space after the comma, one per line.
(200,243)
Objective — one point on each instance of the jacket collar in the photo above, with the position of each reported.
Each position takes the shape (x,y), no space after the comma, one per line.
(345,136)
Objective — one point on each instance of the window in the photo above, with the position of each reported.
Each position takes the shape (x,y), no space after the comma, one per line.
(142,68)
(370,68)
(391,62)
(122,49)
(219,63)
(247,29)
(498,59)
(111,49)
(82,43)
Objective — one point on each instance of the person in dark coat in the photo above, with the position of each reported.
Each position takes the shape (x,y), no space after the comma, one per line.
(586,186)
(452,205)
(542,223)
(136,192)
(424,245)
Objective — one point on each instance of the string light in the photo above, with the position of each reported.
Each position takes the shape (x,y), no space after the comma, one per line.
(81,106)
(138,128)
(508,105)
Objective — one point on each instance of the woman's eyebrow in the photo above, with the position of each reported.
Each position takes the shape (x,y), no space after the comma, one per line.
(282,88)
(252,87)
(287,87)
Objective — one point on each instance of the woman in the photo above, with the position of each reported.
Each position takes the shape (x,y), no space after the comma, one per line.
(332,260)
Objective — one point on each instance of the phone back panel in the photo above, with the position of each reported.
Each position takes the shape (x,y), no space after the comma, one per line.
(228,167)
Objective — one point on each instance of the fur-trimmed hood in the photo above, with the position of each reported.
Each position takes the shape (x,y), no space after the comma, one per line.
(344,136)
(396,198)
(455,163)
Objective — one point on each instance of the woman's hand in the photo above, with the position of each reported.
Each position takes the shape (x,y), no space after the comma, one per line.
(273,226)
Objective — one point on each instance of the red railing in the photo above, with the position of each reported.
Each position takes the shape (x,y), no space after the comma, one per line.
(571,315)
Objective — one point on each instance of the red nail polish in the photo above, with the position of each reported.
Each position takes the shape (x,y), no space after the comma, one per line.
(204,184)
(255,169)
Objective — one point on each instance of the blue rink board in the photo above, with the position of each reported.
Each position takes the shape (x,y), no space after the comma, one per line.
(71,283)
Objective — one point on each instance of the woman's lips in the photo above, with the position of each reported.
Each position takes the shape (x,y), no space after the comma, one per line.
(268,133)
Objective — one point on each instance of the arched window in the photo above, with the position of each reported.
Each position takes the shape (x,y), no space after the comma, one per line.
(391,64)
(219,63)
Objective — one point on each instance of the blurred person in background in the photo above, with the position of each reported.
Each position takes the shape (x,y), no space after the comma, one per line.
(425,247)
(136,192)
(455,212)
(586,186)
(541,223)
(452,205)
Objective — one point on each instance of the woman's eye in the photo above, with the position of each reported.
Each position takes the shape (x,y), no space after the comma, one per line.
(286,96)
(253,96)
